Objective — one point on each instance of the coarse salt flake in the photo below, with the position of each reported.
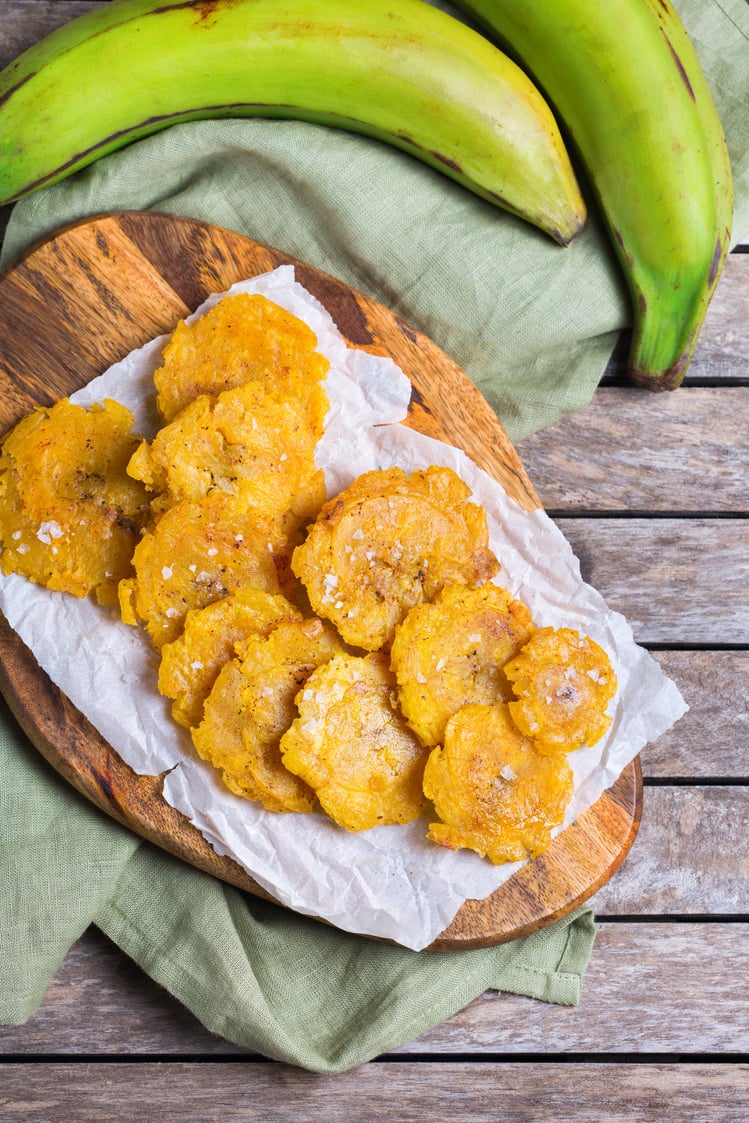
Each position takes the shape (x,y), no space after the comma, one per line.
(49,530)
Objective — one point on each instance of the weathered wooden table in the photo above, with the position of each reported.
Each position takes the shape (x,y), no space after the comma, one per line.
(653,493)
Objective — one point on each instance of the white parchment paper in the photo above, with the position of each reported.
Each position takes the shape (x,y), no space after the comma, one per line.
(390,881)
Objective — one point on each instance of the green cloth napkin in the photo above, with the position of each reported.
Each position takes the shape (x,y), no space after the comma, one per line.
(534,326)
(252,972)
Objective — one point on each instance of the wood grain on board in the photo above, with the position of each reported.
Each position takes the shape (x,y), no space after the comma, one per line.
(84,299)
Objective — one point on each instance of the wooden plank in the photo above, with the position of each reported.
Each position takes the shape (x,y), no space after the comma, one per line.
(712,739)
(631,450)
(691,856)
(651,987)
(678,581)
(464,1093)
(724,340)
(722,347)
(25,22)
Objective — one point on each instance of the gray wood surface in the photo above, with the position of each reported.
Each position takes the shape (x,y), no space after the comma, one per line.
(664,986)
(460,1092)
(652,492)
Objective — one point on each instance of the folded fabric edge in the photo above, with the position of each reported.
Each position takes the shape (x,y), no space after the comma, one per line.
(486,969)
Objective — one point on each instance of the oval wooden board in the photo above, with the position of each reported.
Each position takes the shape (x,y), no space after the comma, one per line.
(85,298)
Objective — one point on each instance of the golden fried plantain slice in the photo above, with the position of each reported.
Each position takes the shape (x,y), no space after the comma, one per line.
(189,665)
(196,553)
(451,652)
(69,513)
(240,339)
(249,441)
(218,737)
(492,791)
(252,705)
(351,745)
(388,542)
(563,682)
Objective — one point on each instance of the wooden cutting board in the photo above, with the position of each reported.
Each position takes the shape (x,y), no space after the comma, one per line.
(85,298)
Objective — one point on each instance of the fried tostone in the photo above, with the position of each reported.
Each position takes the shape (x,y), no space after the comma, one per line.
(451,652)
(563,683)
(251,706)
(249,441)
(243,338)
(196,553)
(211,637)
(352,746)
(387,543)
(492,790)
(69,513)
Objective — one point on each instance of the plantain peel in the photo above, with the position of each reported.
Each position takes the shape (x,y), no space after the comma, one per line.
(626,82)
(404,73)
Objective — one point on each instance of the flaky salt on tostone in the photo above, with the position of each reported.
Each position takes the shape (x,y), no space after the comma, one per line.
(493,792)
(250,707)
(452,651)
(563,682)
(388,542)
(69,513)
(212,636)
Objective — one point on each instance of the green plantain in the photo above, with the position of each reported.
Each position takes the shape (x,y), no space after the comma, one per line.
(627,85)
(398,70)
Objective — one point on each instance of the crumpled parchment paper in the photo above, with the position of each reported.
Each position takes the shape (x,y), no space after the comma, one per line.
(387,882)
